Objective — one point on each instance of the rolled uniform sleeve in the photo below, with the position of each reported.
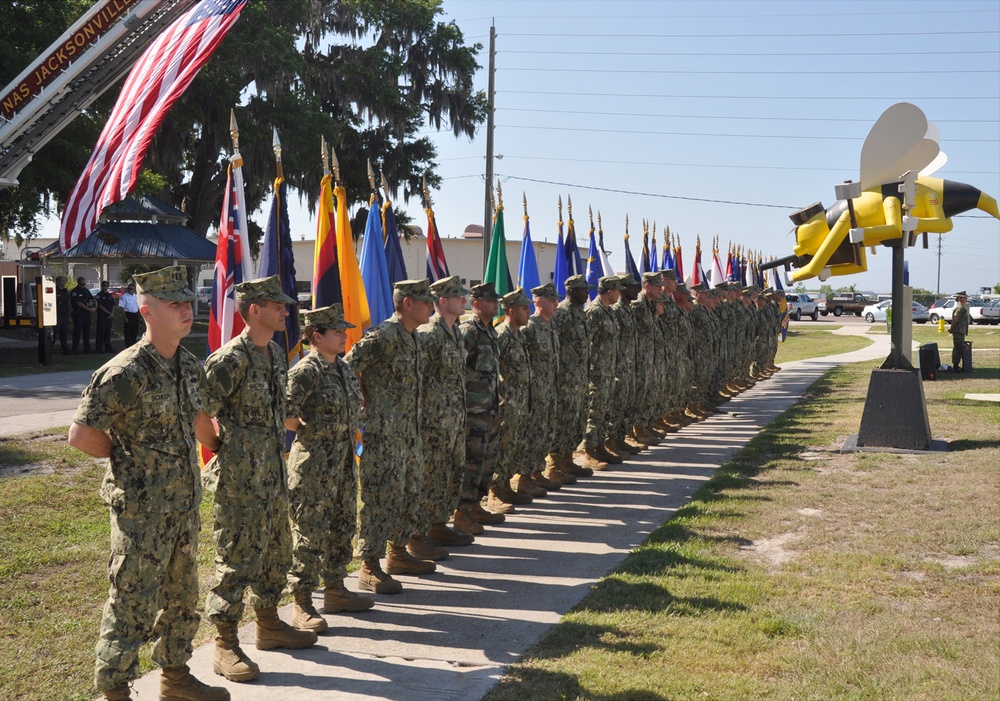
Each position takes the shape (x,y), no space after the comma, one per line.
(110,393)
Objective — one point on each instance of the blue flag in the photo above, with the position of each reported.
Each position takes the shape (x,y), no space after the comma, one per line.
(630,266)
(644,258)
(276,258)
(374,271)
(561,271)
(574,263)
(654,260)
(594,268)
(393,252)
(527,269)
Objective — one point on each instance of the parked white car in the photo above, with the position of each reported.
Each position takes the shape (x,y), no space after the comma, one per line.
(876,312)
(979,313)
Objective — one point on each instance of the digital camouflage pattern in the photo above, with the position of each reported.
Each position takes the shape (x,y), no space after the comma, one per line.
(572,376)
(542,342)
(442,414)
(153,487)
(322,473)
(253,547)
(601,376)
(388,359)
(649,361)
(624,412)
(482,400)
(515,401)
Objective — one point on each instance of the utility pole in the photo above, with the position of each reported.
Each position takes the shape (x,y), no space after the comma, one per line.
(491,103)
(938,291)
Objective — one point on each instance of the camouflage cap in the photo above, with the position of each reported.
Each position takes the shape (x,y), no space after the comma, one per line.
(700,287)
(265,288)
(960,294)
(653,279)
(723,286)
(547,290)
(485,291)
(575,282)
(419,290)
(515,298)
(449,287)
(609,282)
(769,290)
(668,274)
(331,317)
(627,280)
(682,288)
(168,284)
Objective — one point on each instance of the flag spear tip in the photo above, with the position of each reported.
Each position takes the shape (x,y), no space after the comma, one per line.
(234,130)
(385,185)
(599,219)
(426,192)
(335,162)
(325,156)
(371,175)
(524,201)
(569,205)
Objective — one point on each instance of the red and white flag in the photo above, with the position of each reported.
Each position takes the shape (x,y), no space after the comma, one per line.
(232,262)
(437,266)
(157,80)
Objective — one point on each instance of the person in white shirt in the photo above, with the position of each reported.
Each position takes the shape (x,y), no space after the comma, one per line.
(129,305)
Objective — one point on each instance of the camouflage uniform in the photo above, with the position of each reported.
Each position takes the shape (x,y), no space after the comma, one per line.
(625,392)
(515,403)
(253,546)
(704,328)
(482,402)
(391,472)
(649,358)
(571,381)
(670,329)
(442,419)
(686,354)
(152,486)
(322,473)
(603,351)
(959,329)
(542,341)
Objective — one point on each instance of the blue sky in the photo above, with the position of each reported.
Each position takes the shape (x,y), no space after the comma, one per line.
(673,111)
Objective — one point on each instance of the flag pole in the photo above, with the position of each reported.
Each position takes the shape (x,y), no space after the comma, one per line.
(276,146)
(336,167)
(325,155)
(426,193)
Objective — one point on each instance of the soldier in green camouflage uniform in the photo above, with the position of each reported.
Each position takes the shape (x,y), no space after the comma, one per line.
(442,419)
(705,329)
(253,546)
(625,394)
(515,404)
(959,329)
(688,353)
(542,339)
(649,356)
(142,409)
(670,328)
(571,380)
(388,359)
(482,403)
(603,351)
(323,401)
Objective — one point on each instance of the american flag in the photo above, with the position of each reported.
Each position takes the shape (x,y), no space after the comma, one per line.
(437,266)
(158,79)
(232,261)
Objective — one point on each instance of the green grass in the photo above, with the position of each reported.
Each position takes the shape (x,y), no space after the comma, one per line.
(804,342)
(798,572)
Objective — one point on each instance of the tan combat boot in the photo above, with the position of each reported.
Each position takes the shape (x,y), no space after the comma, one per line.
(337,598)
(230,660)
(631,440)
(523,485)
(622,445)
(442,534)
(567,464)
(602,453)
(119,693)
(422,548)
(494,514)
(610,448)
(177,684)
(464,523)
(540,479)
(502,491)
(304,614)
(589,460)
(372,578)
(272,632)
(401,562)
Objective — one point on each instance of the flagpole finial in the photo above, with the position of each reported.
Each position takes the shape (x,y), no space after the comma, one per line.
(569,206)
(234,130)
(560,209)
(599,220)
(336,164)
(325,155)
(426,192)
(654,229)
(499,195)
(385,187)
(590,211)
(371,176)
(626,224)
(524,201)
(276,147)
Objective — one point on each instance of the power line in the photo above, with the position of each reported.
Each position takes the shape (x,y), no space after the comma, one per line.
(780,35)
(717,54)
(797,98)
(739,117)
(737,136)
(654,71)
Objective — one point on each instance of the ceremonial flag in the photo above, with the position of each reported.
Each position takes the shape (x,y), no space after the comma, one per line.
(232,255)
(496,263)
(678,263)
(717,277)
(527,269)
(606,268)
(696,275)
(351,284)
(593,265)
(158,79)
(574,261)
(277,258)
(561,271)
(654,262)
(644,266)
(393,251)
(630,266)
(437,266)
(374,270)
(326,266)
(668,259)
(730,270)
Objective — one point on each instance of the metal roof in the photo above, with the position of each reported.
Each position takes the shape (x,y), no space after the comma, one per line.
(139,240)
(145,207)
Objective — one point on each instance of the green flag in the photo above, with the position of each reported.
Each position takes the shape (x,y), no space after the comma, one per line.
(496,263)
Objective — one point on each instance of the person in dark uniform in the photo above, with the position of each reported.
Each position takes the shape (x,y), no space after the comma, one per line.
(62,314)
(106,304)
(83,305)
(959,329)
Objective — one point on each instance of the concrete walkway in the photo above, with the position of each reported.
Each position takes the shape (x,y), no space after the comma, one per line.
(448,636)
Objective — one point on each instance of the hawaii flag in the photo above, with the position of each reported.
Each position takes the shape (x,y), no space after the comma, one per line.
(232,262)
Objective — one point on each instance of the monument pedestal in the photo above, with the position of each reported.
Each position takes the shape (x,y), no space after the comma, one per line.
(895,414)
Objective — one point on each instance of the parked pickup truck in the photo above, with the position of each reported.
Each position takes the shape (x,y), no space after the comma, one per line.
(848,303)
(800,305)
